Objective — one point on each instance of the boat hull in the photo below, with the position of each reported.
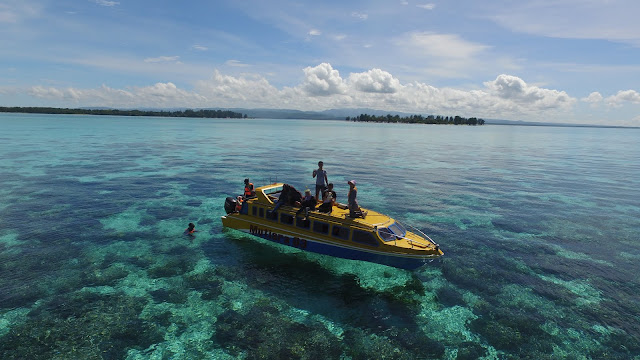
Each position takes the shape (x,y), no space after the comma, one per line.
(317,245)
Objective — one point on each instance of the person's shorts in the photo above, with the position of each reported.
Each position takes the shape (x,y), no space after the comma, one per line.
(321,188)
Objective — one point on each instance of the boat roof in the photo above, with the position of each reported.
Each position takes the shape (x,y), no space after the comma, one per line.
(268,194)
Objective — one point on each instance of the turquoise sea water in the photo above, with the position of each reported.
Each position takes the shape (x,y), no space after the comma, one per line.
(540,227)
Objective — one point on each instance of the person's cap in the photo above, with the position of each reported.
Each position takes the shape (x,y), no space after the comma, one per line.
(351,182)
(307,191)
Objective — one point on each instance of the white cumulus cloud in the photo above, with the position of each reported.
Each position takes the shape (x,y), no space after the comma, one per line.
(593,98)
(513,88)
(158,95)
(507,97)
(230,91)
(374,81)
(622,96)
(322,80)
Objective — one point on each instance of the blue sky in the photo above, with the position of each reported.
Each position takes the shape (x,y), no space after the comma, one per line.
(562,61)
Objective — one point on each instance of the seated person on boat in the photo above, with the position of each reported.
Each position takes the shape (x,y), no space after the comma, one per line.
(329,198)
(308,204)
(288,196)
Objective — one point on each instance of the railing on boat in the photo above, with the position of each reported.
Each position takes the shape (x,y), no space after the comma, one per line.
(410,241)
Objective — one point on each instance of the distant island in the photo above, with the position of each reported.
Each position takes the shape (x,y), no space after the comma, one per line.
(178,113)
(418,119)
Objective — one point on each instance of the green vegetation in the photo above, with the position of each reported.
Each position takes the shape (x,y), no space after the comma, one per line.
(419,119)
(186,113)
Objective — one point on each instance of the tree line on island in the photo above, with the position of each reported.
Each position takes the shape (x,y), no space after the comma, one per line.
(418,119)
(186,113)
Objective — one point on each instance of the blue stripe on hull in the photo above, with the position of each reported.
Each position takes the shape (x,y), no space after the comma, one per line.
(341,252)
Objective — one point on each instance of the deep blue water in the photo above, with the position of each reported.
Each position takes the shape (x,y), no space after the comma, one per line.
(540,227)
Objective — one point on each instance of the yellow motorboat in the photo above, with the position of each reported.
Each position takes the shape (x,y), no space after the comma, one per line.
(375,237)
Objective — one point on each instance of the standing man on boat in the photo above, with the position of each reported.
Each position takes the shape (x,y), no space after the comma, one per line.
(321,178)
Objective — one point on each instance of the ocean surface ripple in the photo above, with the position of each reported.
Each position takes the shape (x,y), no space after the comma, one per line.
(540,228)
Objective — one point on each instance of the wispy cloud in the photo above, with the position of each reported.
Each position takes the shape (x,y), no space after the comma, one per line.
(440,45)
(360,15)
(427,6)
(162,59)
(315,32)
(235,63)
(106,2)
(200,48)
(609,20)
(13,12)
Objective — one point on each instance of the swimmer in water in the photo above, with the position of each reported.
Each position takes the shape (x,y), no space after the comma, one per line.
(190,230)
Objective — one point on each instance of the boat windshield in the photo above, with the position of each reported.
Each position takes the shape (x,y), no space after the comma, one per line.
(398,229)
(273,190)
(393,232)
(386,234)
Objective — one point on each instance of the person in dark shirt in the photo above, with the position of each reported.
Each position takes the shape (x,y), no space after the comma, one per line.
(328,200)
(308,203)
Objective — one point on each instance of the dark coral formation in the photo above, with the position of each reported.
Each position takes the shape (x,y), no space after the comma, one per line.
(81,326)
(264,333)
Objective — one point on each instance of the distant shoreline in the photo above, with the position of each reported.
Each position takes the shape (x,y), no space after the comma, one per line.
(247,114)
(209,114)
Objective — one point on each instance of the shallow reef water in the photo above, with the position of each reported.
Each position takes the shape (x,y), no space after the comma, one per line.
(540,227)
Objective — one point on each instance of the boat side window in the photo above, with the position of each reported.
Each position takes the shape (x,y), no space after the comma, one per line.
(386,234)
(261,212)
(340,232)
(320,227)
(286,219)
(272,215)
(254,210)
(364,237)
(302,223)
